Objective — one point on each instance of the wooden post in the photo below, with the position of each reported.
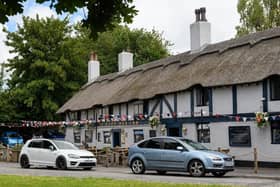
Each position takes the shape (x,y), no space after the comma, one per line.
(255,160)
(219,149)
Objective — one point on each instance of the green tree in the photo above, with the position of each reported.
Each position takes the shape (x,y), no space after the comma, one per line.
(1,76)
(48,68)
(102,14)
(146,47)
(257,15)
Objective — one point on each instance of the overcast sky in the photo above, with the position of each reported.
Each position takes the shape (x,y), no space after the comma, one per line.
(171,17)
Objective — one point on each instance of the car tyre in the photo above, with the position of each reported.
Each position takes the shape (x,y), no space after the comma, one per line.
(24,161)
(61,163)
(137,166)
(219,173)
(196,168)
(161,172)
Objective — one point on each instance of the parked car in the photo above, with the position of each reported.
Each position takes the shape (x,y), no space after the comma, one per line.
(11,138)
(55,153)
(177,154)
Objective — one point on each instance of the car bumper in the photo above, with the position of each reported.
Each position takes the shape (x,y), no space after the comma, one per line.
(81,163)
(220,166)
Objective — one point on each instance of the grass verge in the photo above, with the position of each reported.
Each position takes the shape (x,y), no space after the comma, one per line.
(32,181)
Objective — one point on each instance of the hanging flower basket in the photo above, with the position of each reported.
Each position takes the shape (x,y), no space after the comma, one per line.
(262,119)
(154,121)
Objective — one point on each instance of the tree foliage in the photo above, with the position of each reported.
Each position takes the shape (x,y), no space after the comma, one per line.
(146,46)
(102,14)
(51,63)
(257,15)
(49,67)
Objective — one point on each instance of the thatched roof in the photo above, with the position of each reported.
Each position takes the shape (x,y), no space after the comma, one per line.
(247,59)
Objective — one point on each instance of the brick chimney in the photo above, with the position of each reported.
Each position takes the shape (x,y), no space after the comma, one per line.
(93,67)
(200,31)
(125,61)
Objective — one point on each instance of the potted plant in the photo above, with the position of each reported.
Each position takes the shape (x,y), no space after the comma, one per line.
(154,121)
(262,119)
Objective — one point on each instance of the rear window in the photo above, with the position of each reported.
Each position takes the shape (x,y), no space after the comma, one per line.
(151,144)
(35,144)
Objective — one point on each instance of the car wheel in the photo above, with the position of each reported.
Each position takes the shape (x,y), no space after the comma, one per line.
(137,166)
(219,173)
(87,168)
(196,168)
(161,172)
(24,161)
(61,163)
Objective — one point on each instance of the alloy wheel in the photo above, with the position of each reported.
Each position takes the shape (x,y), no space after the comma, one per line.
(137,166)
(196,168)
(24,162)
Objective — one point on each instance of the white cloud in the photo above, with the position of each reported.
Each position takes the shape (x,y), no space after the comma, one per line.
(5,54)
(174,17)
(42,11)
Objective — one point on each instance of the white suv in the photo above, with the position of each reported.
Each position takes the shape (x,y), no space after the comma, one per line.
(55,153)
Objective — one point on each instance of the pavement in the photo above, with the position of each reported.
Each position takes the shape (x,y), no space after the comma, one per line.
(263,173)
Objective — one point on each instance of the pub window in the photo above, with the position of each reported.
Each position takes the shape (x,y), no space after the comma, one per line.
(239,136)
(153,133)
(203,133)
(275,88)
(275,132)
(77,136)
(88,136)
(201,96)
(111,109)
(107,137)
(138,135)
(138,108)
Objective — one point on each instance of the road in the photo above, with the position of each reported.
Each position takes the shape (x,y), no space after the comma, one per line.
(125,173)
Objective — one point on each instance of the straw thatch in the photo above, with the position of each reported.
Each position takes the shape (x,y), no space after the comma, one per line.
(251,58)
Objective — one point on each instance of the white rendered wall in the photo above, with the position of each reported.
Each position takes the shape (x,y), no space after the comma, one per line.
(151,105)
(222,100)
(184,104)
(165,109)
(260,138)
(249,98)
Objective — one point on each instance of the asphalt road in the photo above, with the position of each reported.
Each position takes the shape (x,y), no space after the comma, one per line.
(125,174)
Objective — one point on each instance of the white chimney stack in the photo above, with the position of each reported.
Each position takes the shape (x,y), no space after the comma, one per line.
(125,61)
(200,31)
(93,67)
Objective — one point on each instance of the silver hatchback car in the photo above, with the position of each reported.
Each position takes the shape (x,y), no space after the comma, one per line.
(177,154)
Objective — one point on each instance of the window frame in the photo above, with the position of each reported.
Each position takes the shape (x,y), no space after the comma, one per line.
(199,139)
(202,96)
(272,128)
(134,135)
(74,136)
(107,137)
(272,81)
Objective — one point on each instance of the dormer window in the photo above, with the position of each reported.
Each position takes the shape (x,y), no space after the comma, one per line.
(275,88)
(202,98)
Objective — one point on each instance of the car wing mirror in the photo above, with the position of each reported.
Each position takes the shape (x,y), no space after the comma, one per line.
(180,148)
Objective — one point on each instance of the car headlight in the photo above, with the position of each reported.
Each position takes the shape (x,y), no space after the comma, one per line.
(215,158)
(73,156)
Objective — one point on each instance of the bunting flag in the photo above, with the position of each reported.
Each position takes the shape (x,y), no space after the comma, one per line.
(138,117)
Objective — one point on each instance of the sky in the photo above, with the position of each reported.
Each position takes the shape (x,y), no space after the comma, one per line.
(170,17)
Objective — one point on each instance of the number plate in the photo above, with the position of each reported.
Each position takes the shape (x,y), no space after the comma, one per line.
(228,164)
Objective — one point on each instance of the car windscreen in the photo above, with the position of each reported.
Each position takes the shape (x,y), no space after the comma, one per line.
(194,145)
(65,145)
